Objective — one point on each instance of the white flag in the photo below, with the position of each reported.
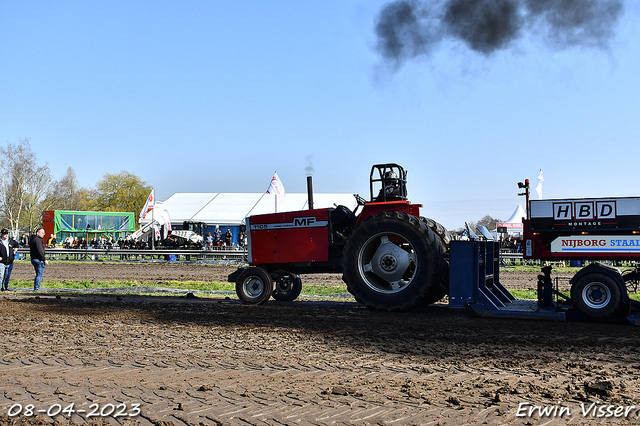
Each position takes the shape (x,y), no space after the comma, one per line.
(148,206)
(275,187)
(167,223)
(539,185)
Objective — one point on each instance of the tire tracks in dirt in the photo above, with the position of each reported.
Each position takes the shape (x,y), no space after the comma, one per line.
(213,361)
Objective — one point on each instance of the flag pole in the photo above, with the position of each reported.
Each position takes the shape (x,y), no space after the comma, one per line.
(275,188)
(153,230)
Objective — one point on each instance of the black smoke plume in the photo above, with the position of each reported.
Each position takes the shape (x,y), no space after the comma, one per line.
(406,29)
(565,23)
(483,25)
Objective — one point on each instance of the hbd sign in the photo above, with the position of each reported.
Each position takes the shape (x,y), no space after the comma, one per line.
(585,213)
(584,210)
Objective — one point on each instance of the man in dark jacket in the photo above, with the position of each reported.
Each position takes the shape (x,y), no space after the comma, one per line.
(8,248)
(36,250)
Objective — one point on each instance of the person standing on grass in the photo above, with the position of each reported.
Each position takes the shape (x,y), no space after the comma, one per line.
(8,247)
(36,250)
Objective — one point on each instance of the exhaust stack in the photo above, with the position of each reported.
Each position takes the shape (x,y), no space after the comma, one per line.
(310,191)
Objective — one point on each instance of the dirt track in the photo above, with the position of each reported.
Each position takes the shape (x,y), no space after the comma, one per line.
(203,361)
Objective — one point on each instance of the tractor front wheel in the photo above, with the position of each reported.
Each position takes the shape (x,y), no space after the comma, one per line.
(392,262)
(254,286)
(288,288)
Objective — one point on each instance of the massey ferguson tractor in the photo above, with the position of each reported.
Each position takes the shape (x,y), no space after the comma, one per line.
(391,258)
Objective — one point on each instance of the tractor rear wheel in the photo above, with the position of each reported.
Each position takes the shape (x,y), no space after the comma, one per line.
(288,288)
(392,262)
(254,286)
(444,238)
(595,295)
(439,230)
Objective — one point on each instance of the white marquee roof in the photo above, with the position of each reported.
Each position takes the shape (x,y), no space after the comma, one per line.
(517,215)
(231,208)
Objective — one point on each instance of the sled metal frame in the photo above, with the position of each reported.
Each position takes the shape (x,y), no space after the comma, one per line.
(474,282)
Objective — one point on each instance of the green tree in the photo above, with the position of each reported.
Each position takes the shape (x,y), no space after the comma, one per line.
(85,199)
(122,192)
(489,222)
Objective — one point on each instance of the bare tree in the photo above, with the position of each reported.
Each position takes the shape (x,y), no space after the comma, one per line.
(67,194)
(38,189)
(23,185)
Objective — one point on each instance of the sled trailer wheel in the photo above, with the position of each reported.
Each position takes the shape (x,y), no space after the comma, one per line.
(596,295)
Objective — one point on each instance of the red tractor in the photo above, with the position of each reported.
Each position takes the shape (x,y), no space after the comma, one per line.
(391,258)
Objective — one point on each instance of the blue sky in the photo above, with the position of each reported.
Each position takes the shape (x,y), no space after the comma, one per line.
(214,96)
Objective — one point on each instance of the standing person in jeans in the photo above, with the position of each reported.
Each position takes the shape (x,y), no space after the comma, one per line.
(36,249)
(8,248)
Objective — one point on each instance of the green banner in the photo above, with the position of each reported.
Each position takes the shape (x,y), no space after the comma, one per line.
(94,222)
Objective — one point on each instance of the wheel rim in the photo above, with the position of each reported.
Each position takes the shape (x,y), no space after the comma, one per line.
(253,287)
(596,295)
(387,262)
(284,286)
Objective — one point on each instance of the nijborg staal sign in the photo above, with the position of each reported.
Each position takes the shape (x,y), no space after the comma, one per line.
(596,243)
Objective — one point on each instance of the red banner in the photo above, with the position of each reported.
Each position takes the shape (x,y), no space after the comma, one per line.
(510,225)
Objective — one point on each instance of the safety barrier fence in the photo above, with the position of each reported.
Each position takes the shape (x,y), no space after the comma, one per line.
(508,258)
(164,255)
(234,255)
(132,255)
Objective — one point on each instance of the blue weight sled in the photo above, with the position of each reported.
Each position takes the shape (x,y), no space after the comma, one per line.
(474,282)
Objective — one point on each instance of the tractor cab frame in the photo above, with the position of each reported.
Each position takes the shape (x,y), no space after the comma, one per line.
(389,182)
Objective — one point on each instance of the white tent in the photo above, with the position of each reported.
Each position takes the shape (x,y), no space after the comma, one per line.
(182,206)
(514,223)
(231,209)
(517,215)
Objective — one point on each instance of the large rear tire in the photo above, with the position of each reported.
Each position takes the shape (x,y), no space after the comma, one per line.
(254,286)
(439,230)
(392,262)
(444,238)
(596,295)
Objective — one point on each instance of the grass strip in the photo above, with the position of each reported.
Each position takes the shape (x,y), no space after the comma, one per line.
(315,290)
(307,289)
